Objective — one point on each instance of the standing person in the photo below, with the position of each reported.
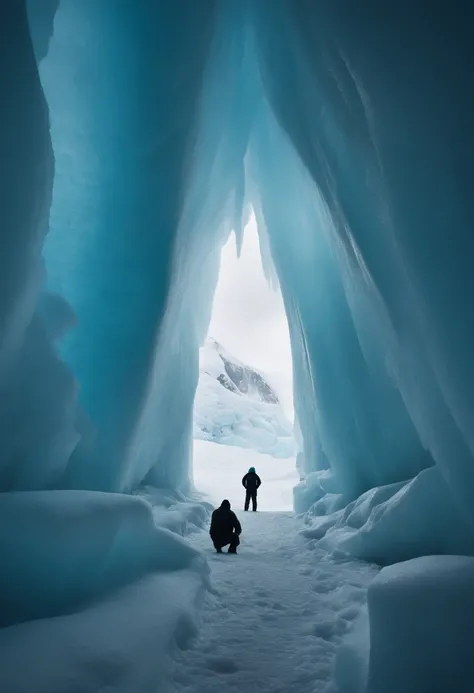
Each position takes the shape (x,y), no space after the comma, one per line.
(225,528)
(251,483)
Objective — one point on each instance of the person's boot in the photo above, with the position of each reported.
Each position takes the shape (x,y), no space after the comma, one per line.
(232,549)
(218,550)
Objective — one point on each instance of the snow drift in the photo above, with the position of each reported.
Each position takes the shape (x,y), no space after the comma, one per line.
(413,635)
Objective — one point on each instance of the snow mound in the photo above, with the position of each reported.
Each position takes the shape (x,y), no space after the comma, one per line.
(97,589)
(121,644)
(420,615)
(387,524)
(235,405)
(63,549)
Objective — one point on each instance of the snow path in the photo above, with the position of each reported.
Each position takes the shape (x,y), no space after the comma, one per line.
(280,611)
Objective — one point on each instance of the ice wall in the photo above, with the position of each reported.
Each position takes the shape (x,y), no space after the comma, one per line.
(354,153)
(123,112)
(142,131)
(351,415)
(36,390)
(376,103)
(61,548)
(325,126)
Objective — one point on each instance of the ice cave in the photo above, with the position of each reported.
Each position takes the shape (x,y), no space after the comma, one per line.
(136,136)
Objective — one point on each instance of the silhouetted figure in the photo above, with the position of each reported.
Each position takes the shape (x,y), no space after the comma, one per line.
(251,482)
(225,528)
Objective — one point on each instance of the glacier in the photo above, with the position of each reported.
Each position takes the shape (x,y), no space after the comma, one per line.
(236,405)
(133,145)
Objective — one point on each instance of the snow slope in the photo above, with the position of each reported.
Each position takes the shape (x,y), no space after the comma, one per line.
(235,405)
(104,601)
(121,644)
(277,614)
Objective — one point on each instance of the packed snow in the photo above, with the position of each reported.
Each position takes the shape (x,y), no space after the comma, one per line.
(275,616)
(235,405)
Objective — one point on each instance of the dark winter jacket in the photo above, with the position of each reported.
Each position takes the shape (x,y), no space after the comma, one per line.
(251,481)
(224,523)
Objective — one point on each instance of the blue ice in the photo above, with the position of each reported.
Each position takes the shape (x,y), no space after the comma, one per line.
(135,137)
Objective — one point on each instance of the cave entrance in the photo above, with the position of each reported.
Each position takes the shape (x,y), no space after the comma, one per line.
(243,410)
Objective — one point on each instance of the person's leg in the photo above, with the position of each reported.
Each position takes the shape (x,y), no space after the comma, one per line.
(254,501)
(234,542)
(247,500)
(217,546)
(217,541)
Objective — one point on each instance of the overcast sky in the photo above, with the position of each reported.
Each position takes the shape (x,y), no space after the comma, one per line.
(248,317)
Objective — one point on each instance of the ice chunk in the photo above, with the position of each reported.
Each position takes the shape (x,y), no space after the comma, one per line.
(421,615)
(310,490)
(394,522)
(352,661)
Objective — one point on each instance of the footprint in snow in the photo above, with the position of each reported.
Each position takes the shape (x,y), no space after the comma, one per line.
(277,606)
(305,571)
(222,665)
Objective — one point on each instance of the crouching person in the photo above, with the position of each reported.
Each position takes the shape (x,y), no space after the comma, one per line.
(225,528)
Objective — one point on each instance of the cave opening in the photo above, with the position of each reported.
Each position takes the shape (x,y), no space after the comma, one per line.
(243,409)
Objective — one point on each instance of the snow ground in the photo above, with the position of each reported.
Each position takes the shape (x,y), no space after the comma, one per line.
(118,645)
(279,611)
(218,472)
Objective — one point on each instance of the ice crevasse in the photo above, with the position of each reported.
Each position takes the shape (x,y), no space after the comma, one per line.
(135,137)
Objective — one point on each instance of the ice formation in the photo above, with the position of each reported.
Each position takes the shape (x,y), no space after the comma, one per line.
(235,405)
(144,141)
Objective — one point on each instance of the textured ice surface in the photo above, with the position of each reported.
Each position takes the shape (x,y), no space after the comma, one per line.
(396,281)
(341,147)
(371,399)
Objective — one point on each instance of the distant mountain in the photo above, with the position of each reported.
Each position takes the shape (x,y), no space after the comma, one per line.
(235,405)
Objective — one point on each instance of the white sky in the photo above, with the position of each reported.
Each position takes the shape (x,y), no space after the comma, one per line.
(248,317)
